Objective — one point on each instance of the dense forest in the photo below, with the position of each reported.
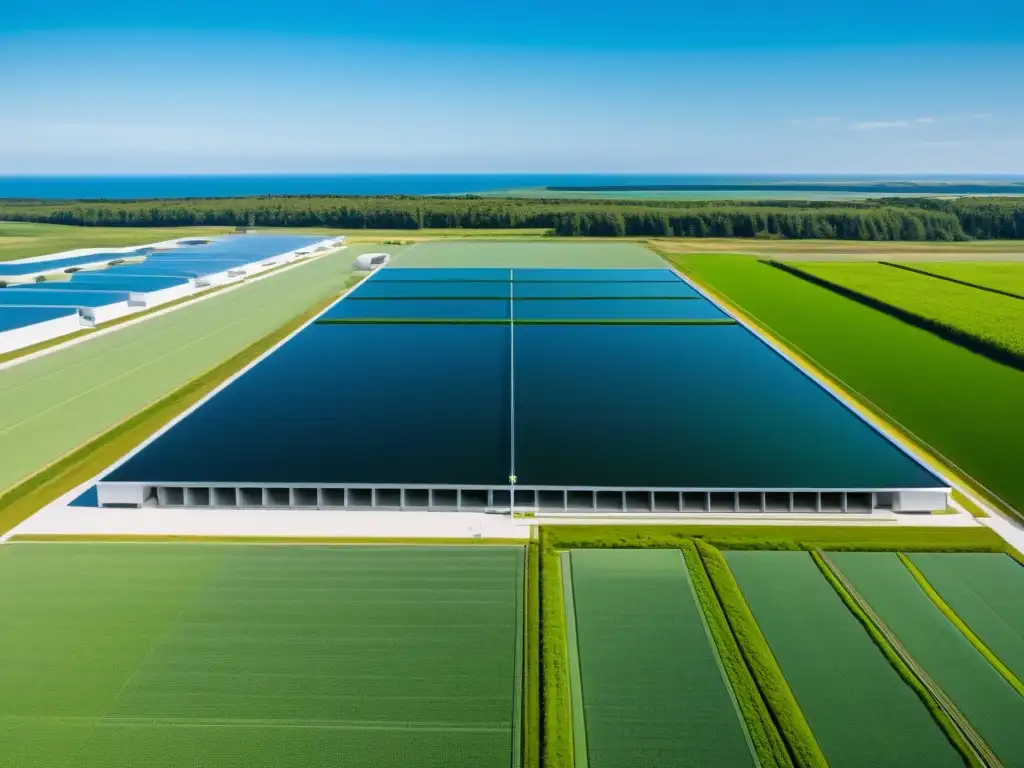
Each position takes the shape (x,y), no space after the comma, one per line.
(886,219)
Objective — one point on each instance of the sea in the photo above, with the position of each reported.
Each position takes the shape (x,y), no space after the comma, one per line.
(183,186)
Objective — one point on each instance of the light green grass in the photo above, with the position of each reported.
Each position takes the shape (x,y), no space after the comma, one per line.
(764,735)
(556,704)
(1005,276)
(580,753)
(993,708)
(51,405)
(653,691)
(21,240)
(90,458)
(775,690)
(993,318)
(292,657)
(511,255)
(874,537)
(861,711)
(987,593)
(964,408)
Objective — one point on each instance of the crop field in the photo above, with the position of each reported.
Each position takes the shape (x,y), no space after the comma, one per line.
(966,408)
(994,709)
(987,593)
(654,693)
(154,655)
(52,404)
(510,255)
(860,710)
(991,317)
(21,240)
(1007,277)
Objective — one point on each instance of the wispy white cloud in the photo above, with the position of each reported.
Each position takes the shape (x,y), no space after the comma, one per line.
(981,116)
(875,125)
(925,120)
(827,119)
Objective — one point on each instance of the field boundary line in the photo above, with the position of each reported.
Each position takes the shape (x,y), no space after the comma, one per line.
(953,723)
(777,751)
(947,611)
(579,724)
(724,676)
(950,333)
(949,279)
(899,434)
(118,324)
(518,678)
(782,705)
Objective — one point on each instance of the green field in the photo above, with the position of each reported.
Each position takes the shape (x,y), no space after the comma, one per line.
(861,711)
(964,407)
(654,692)
(51,405)
(996,319)
(154,655)
(1007,277)
(20,240)
(993,708)
(528,254)
(987,593)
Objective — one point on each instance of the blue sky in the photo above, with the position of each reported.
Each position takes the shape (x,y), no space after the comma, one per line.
(661,87)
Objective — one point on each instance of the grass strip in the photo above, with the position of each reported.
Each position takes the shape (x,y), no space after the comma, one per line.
(949,279)
(556,707)
(1008,675)
(910,677)
(780,537)
(531,726)
(764,669)
(87,460)
(764,735)
(531,321)
(579,723)
(519,680)
(991,349)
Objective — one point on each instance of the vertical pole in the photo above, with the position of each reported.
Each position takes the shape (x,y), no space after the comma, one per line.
(512,393)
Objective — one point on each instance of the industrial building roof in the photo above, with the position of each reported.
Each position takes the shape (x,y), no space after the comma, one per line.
(20,317)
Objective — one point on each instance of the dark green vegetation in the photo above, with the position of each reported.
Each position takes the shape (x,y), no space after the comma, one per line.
(982,321)
(987,593)
(965,408)
(859,708)
(990,704)
(259,655)
(903,219)
(653,690)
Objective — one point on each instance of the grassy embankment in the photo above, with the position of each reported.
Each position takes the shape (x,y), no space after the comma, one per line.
(85,462)
(965,410)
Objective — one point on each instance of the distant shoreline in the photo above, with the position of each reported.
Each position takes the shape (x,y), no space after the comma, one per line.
(679,186)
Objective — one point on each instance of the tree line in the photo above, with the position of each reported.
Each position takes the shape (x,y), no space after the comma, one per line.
(885,219)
